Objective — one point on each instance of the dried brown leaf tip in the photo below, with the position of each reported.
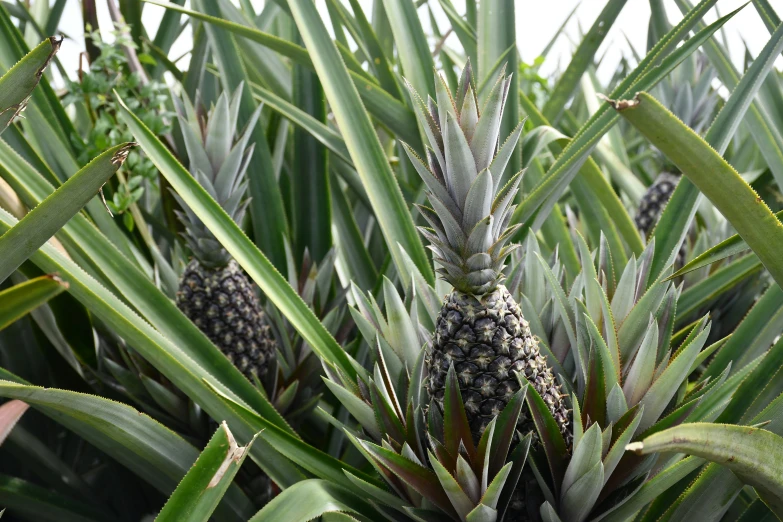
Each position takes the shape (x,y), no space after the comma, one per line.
(621,105)
(122,154)
(56,41)
(57,279)
(234,455)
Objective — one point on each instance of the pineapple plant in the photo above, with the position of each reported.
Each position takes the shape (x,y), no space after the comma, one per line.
(213,290)
(480,330)
(628,375)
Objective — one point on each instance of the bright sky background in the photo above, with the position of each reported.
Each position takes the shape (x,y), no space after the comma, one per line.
(537,21)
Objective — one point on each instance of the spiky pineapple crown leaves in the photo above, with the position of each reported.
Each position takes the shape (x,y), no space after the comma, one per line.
(630,372)
(433,466)
(218,157)
(470,213)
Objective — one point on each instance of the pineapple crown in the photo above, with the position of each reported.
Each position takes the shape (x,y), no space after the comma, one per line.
(218,157)
(470,211)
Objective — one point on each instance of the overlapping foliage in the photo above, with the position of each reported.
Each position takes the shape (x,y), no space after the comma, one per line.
(665,343)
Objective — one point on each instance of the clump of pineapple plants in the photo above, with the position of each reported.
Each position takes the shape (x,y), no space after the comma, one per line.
(304,278)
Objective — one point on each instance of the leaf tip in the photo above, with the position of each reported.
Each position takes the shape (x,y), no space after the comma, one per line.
(636,447)
(621,105)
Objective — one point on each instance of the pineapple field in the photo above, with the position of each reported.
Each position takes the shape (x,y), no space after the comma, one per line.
(353,260)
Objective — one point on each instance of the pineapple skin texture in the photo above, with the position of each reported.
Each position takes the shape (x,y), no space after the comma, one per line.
(654,200)
(487,339)
(221,302)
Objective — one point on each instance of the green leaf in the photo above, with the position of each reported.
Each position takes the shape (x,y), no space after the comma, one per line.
(412,49)
(459,499)
(651,490)
(496,31)
(25,297)
(665,387)
(309,499)
(362,141)
(308,457)
(46,219)
(33,502)
(18,83)
(165,36)
(583,57)
(203,487)
(177,364)
(675,219)
(716,284)
(318,129)
(753,454)
(767,14)
(763,122)
(274,286)
(351,242)
(138,442)
(310,188)
(753,335)
(548,432)
(714,177)
(104,262)
(729,247)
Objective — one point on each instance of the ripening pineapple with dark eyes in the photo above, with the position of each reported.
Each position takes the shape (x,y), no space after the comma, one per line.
(214,292)
(480,329)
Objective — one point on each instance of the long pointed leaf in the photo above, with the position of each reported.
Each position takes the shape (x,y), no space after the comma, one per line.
(43,221)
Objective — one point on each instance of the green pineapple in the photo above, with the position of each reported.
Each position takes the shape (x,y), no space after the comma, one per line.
(480,330)
(213,291)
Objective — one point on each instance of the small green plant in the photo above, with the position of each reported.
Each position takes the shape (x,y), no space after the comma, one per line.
(149,99)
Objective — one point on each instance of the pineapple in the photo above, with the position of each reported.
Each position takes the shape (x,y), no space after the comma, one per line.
(480,330)
(654,200)
(689,95)
(213,291)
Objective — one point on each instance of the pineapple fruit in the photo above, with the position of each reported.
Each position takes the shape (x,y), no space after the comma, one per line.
(654,200)
(213,291)
(480,330)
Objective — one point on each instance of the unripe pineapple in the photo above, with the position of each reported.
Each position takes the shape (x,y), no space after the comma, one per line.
(480,329)
(213,291)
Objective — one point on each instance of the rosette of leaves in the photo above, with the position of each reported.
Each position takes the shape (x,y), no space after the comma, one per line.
(430,463)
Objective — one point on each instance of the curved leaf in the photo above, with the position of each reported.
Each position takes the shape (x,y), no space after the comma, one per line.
(149,449)
(18,83)
(18,300)
(753,454)
(309,499)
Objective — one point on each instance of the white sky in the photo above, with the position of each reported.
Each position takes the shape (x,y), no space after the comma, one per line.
(537,21)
